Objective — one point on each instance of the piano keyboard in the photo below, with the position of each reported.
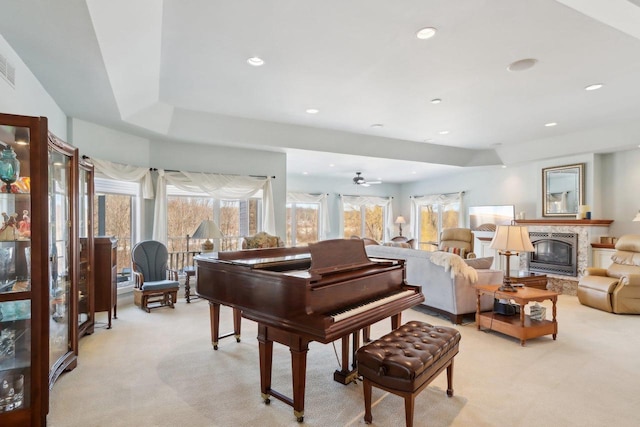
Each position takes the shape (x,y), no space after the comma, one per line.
(352,311)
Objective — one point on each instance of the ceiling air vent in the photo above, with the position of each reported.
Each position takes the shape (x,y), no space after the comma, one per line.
(7,71)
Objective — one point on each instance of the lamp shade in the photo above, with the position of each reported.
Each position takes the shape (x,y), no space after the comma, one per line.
(401,220)
(207,230)
(512,238)
(637,218)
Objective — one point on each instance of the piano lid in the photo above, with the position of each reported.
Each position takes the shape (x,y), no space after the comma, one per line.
(338,255)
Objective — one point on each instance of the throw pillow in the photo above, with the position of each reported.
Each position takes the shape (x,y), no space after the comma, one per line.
(480,263)
(461,252)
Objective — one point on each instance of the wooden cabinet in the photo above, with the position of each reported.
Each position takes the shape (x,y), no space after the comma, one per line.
(24,266)
(529,279)
(601,255)
(106,276)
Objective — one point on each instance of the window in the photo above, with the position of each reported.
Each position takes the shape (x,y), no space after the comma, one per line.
(303,221)
(434,215)
(115,214)
(364,220)
(235,219)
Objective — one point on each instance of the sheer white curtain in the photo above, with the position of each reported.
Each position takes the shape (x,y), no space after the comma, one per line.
(323,226)
(129,173)
(219,186)
(433,199)
(369,200)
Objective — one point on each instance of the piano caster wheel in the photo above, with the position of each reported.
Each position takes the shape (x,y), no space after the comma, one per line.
(300,419)
(265,398)
(215,346)
(238,339)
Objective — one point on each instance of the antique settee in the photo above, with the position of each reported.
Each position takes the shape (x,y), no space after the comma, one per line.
(615,289)
(446,290)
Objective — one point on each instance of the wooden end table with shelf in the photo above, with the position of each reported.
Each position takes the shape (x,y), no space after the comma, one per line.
(522,326)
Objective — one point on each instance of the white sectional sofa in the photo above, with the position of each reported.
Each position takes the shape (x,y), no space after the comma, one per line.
(453,297)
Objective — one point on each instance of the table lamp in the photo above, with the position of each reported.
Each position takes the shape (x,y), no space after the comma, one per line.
(510,240)
(400,220)
(207,230)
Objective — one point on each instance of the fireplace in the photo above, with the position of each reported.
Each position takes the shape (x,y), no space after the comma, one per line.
(554,253)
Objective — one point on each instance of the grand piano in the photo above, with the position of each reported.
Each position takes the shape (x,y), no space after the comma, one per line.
(327,291)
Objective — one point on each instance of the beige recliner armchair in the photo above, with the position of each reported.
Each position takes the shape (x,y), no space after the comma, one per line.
(615,289)
(458,241)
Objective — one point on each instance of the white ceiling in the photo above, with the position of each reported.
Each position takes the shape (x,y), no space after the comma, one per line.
(175,69)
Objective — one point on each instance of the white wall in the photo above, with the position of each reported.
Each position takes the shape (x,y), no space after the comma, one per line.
(28,97)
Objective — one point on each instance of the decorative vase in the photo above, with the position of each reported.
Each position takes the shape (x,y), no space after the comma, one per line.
(9,167)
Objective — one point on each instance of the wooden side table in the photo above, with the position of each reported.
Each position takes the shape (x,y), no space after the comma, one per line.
(189,272)
(530,279)
(522,327)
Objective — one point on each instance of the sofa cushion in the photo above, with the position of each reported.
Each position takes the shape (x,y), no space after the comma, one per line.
(480,263)
(626,258)
(628,242)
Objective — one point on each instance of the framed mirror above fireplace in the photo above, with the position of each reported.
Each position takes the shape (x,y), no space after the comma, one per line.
(562,190)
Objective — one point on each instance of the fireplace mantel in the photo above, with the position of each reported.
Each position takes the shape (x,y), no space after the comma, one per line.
(565,222)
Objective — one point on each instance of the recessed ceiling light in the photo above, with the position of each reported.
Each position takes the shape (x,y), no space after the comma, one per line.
(305,173)
(413,172)
(503,166)
(255,61)
(521,65)
(426,33)
(436,101)
(331,165)
(444,132)
(312,111)
(551,124)
(594,86)
(377,125)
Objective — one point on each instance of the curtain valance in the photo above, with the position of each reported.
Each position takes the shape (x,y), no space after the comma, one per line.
(129,173)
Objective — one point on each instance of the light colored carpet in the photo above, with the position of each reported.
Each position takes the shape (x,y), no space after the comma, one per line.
(160,369)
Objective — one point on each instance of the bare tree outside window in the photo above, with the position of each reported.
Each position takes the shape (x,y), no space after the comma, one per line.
(352,221)
(117,223)
(304,223)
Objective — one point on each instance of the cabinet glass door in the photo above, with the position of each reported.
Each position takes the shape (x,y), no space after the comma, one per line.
(15,270)
(86,296)
(61,350)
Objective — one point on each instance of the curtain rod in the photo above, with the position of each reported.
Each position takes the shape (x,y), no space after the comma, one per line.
(216,173)
(360,195)
(443,194)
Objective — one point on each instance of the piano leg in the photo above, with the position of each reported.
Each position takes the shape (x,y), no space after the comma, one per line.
(298,347)
(214,317)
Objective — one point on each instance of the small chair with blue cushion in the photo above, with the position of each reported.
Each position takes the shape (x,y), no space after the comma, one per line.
(154,284)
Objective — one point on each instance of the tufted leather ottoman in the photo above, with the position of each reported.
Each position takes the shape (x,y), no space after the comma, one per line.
(405,361)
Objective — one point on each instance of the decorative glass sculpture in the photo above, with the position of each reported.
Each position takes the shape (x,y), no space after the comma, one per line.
(9,167)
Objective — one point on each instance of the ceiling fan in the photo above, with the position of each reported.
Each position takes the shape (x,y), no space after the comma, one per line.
(359,180)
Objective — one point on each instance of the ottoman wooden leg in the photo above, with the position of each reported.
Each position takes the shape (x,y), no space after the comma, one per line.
(366,387)
(450,379)
(409,400)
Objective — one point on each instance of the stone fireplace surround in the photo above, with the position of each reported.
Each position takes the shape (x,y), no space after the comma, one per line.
(588,231)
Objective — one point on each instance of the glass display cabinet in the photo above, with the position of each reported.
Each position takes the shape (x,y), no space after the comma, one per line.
(23,271)
(63,257)
(86,266)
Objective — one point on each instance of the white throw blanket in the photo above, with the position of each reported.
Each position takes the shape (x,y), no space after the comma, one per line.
(456,264)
